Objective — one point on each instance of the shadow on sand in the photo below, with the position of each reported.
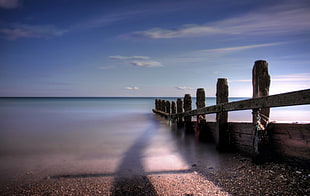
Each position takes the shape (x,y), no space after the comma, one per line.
(131,177)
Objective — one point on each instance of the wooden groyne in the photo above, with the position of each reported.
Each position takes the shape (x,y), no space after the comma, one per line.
(285,140)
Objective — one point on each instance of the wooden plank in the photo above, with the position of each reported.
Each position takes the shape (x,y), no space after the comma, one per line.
(293,131)
(292,148)
(242,139)
(239,127)
(286,99)
(161,113)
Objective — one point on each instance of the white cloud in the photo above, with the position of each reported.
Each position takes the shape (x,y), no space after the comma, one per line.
(146,63)
(118,57)
(10,4)
(183,88)
(132,88)
(278,20)
(138,61)
(184,31)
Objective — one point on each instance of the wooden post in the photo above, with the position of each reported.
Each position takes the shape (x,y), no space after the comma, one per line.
(260,83)
(168,107)
(222,136)
(159,104)
(179,109)
(200,98)
(163,106)
(188,107)
(173,107)
(156,104)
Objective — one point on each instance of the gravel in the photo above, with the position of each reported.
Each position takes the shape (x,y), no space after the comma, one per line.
(241,177)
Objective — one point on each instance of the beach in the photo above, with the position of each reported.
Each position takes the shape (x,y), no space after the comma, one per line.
(118,147)
(240,177)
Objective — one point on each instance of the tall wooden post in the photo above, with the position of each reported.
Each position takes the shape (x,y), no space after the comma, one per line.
(179,109)
(260,83)
(222,135)
(188,107)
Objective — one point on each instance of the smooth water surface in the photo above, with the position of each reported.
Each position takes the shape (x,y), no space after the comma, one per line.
(99,136)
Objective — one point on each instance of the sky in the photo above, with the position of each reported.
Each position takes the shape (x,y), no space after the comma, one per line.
(151,47)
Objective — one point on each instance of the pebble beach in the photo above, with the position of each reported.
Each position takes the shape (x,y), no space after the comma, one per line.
(240,177)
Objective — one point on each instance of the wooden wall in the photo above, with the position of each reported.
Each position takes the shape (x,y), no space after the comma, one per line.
(290,141)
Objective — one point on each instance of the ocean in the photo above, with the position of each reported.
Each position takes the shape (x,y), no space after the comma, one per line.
(46,137)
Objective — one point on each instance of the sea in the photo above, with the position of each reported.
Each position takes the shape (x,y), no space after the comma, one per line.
(50,137)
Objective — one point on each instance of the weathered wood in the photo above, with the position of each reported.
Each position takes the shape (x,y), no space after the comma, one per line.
(200,98)
(168,107)
(159,104)
(291,140)
(261,84)
(163,106)
(173,107)
(179,109)
(222,136)
(165,114)
(286,99)
(187,107)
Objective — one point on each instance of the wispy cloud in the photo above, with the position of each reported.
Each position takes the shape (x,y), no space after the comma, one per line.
(299,77)
(17,31)
(292,77)
(214,55)
(13,34)
(238,48)
(10,4)
(279,20)
(118,57)
(183,88)
(138,61)
(184,31)
(132,88)
(147,9)
(146,63)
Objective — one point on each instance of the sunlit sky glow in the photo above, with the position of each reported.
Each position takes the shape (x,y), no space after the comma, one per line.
(150,48)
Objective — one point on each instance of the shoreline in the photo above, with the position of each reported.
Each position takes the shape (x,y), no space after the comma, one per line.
(240,177)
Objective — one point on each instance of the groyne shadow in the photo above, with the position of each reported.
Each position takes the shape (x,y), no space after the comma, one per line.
(130,177)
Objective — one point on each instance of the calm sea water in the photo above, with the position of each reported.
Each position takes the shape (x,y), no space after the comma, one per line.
(51,136)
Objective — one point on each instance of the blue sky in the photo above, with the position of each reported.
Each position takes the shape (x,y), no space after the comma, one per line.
(150,47)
